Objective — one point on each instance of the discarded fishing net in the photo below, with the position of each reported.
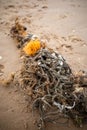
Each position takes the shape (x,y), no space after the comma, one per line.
(48,79)
(56,93)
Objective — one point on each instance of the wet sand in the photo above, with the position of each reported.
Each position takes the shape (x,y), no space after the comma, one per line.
(62,24)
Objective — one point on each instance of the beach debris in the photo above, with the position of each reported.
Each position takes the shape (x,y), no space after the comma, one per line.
(49,80)
(7,82)
(30,43)
(46,77)
(32,47)
(18,32)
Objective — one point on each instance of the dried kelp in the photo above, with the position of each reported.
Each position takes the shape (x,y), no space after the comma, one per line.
(19,32)
(48,79)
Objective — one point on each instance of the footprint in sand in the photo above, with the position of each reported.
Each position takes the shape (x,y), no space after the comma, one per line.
(76,39)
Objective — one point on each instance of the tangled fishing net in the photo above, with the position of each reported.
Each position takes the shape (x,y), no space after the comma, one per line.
(55,91)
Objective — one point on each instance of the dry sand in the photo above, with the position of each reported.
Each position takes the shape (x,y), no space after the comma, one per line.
(63,25)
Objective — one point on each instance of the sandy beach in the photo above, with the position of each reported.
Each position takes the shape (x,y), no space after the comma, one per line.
(62,24)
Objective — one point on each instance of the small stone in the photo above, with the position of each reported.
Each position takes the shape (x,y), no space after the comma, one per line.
(0,57)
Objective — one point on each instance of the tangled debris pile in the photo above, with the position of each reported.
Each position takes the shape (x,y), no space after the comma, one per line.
(48,79)
(56,92)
